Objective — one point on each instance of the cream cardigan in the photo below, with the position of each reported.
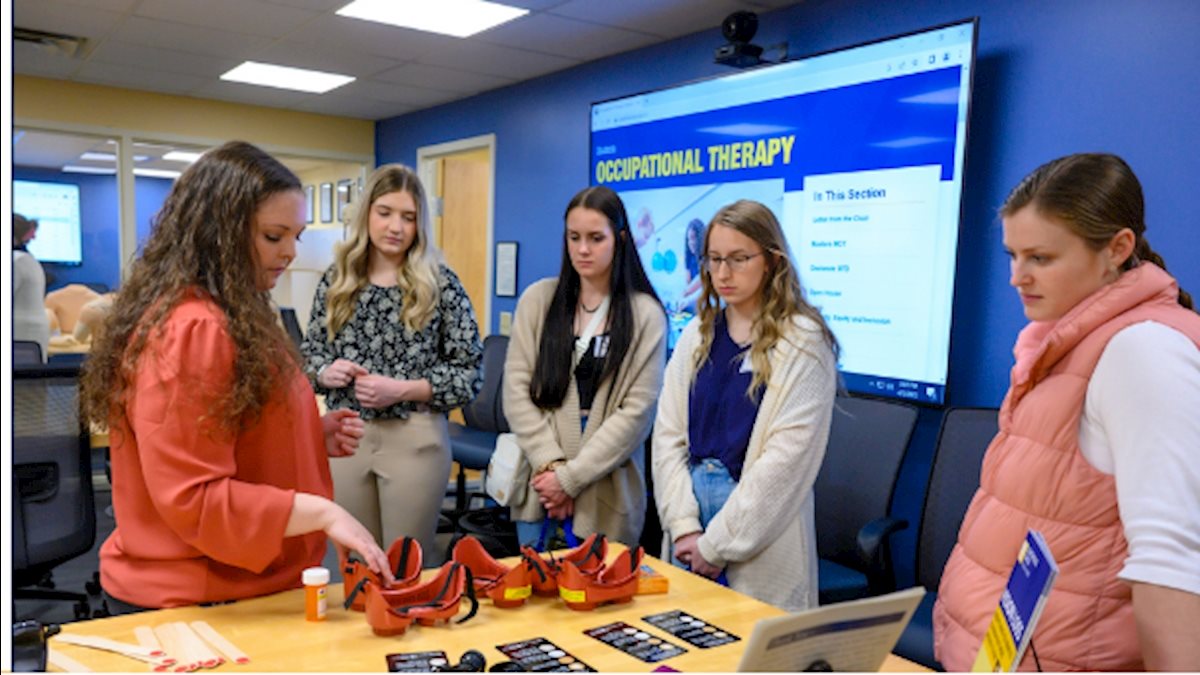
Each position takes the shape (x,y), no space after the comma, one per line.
(604,469)
(764,536)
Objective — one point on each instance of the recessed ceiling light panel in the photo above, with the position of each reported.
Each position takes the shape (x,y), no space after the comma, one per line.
(286,77)
(459,18)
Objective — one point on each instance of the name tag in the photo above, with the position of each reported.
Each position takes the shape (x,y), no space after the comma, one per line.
(747,366)
(601,348)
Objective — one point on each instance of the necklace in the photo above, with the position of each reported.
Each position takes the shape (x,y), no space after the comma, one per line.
(591,310)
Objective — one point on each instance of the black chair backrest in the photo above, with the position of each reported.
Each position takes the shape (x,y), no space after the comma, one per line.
(867,442)
(291,324)
(26,353)
(485,411)
(965,435)
(54,516)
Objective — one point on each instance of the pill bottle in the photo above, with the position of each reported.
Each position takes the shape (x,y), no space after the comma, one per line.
(316,586)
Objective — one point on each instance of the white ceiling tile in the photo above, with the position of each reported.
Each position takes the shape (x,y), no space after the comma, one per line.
(127,54)
(342,61)
(497,60)
(445,79)
(121,6)
(251,94)
(566,37)
(56,16)
(316,5)
(195,39)
(255,18)
(361,108)
(666,18)
(136,77)
(400,44)
(395,93)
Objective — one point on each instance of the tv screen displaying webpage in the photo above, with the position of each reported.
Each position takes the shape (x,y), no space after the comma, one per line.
(859,152)
(56,208)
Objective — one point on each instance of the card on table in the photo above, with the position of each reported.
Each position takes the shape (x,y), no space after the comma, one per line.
(416,662)
(635,642)
(689,628)
(543,656)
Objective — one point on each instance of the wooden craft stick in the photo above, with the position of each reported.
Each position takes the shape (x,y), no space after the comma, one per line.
(65,663)
(169,639)
(219,642)
(199,648)
(145,637)
(192,655)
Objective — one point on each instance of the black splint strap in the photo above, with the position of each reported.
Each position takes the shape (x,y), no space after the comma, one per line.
(362,583)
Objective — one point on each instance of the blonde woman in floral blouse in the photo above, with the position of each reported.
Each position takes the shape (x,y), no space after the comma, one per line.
(393,337)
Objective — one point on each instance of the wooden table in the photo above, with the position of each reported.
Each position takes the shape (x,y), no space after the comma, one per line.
(272,631)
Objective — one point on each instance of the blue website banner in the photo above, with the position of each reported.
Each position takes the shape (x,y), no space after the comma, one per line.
(899,122)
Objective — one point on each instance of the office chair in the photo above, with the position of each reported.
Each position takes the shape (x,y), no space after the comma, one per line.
(53,506)
(26,353)
(854,494)
(472,444)
(963,439)
(288,316)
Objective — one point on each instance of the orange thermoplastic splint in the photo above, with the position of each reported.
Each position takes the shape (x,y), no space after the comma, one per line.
(404,556)
(587,557)
(617,582)
(391,612)
(506,586)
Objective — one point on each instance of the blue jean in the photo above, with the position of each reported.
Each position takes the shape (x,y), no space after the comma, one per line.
(712,485)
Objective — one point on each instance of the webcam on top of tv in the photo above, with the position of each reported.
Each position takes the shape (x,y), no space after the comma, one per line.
(739,29)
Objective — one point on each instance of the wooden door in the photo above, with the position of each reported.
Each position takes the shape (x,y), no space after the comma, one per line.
(462,229)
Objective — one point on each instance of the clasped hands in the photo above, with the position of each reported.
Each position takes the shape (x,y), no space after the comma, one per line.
(687,550)
(558,504)
(372,391)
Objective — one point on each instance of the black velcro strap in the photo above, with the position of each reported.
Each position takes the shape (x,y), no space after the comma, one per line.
(354,593)
(405,548)
(470,596)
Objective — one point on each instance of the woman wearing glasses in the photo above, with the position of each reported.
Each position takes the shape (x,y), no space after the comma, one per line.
(744,417)
(582,375)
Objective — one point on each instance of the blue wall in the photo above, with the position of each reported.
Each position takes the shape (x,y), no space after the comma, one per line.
(1052,78)
(100,218)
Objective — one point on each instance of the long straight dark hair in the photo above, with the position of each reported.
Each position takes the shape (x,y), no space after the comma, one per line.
(552,374)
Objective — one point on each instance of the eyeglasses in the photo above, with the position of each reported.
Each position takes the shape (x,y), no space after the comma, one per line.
(736,262)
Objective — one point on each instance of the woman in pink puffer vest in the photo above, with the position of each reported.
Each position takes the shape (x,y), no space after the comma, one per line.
(1099,442)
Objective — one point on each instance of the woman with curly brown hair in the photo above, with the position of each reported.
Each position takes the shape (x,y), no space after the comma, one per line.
(221,485)
(744,417)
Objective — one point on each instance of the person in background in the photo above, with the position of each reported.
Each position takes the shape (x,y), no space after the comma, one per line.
(29,320)
(693,242)
(581,377)
(744,417)
(1099,441)
(392,336)
(220,475)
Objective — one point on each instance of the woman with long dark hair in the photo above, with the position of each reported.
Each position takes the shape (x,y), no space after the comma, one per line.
(582,376)
(221,485)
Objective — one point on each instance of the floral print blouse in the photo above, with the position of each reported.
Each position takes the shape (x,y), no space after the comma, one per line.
(447,351)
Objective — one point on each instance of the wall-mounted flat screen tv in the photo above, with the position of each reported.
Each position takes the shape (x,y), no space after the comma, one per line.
(56,208)
(859,152)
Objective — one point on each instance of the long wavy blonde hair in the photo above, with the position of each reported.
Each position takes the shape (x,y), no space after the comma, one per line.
(417,278)
(782,296)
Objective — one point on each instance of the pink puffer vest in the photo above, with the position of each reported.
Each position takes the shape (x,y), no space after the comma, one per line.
(1034,476)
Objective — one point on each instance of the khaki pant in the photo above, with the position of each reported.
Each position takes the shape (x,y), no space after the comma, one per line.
(395,482)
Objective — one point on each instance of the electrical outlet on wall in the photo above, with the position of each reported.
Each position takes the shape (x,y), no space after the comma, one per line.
(506,323)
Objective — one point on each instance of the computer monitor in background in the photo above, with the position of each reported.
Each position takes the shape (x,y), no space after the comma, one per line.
(859,152)
(55,206)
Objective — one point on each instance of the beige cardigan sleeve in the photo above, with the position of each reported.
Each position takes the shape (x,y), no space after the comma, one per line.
(678,509)
(782,466)
(632,411)
(531,424)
